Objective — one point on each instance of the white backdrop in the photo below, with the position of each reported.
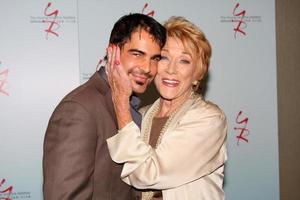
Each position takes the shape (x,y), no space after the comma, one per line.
(42,67)
(40,61)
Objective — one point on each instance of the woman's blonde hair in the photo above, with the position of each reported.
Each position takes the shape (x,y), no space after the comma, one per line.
(193,39)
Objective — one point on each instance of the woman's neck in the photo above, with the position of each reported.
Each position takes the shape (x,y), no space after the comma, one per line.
(167,107)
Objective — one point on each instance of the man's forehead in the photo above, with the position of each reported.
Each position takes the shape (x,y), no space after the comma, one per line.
(142,41)
(141,34)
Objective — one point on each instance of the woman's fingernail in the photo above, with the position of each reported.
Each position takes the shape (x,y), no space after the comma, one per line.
(117,62)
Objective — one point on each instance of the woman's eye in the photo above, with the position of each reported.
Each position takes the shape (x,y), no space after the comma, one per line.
(185,61)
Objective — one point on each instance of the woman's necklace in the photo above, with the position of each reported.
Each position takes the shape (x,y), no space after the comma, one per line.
(149,194)
(149,121)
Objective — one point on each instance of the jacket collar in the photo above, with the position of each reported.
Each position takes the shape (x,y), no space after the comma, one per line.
(100,83)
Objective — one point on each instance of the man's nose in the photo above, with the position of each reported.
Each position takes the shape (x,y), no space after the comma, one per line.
(146,66)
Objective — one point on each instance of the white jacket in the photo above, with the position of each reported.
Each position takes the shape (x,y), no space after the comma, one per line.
(188,164)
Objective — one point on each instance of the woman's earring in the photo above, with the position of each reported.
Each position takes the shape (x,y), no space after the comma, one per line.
(196,85)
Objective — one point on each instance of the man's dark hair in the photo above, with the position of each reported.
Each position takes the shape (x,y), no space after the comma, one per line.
(128,24)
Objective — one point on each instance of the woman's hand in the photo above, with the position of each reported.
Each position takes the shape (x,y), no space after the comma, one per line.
(120,85)
(117,76)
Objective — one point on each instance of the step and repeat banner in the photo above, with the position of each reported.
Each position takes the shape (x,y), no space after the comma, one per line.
(39,64)
(48,48)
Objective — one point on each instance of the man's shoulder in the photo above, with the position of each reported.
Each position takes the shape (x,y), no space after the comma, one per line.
(89,91)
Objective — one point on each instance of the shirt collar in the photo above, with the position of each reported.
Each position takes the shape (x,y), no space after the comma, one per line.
(135,101)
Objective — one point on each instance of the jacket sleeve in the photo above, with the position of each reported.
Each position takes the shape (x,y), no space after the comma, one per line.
(69,151)
(195,148)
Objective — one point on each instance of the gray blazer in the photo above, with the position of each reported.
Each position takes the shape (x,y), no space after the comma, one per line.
(76,162)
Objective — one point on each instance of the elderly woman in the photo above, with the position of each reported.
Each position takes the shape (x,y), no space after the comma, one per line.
(181,147)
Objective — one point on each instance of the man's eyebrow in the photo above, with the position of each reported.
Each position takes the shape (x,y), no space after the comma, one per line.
(136,51)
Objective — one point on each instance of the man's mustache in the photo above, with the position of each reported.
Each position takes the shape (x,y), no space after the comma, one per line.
(140,71)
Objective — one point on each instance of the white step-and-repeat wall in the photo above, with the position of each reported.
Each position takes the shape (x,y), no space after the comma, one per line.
(49,47)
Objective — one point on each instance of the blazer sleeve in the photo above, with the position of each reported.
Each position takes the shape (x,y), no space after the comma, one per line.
(195,148)
(69,151)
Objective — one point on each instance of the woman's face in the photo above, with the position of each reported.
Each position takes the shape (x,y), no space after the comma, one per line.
(176,71)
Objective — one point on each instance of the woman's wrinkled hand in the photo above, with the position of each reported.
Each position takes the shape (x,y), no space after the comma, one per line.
(117,76)
(120,85)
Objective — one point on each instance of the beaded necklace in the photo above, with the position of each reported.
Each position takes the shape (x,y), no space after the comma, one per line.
(149,121)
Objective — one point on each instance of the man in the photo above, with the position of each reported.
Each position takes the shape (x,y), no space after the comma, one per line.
(76,162)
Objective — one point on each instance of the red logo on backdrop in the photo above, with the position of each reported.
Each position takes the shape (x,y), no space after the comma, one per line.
(240,24)
(53,24)
(5,193)
(150,13)
(3,81)
(241,128)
